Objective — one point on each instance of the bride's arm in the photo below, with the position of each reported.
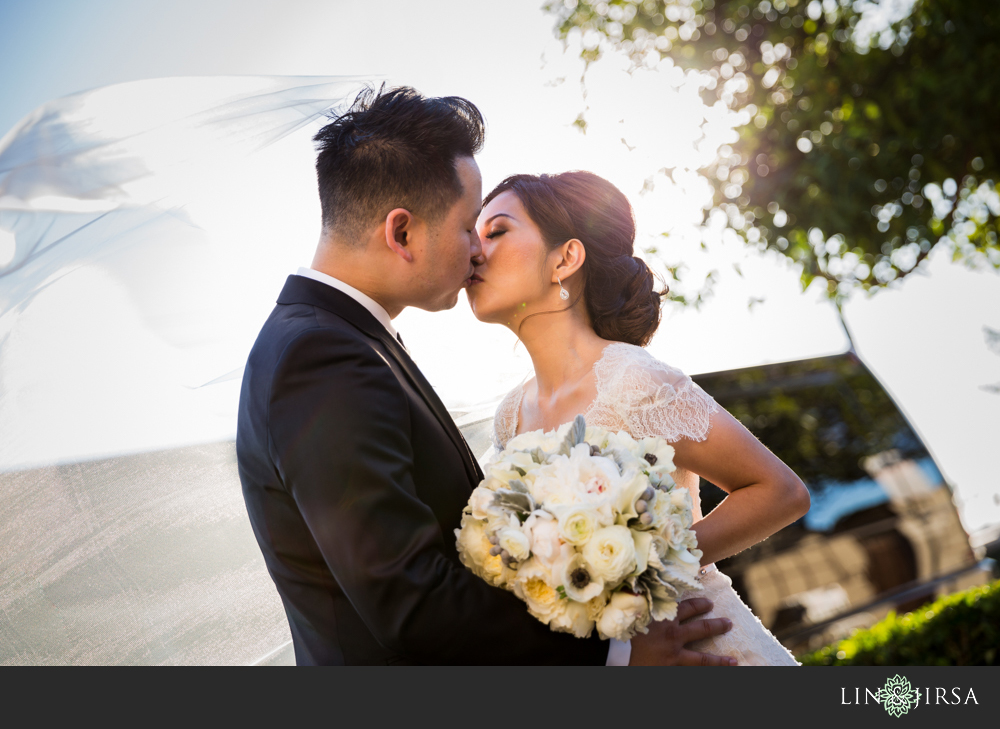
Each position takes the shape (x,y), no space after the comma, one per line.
(764,494)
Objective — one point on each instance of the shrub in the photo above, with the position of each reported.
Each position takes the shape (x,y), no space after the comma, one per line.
(962,629)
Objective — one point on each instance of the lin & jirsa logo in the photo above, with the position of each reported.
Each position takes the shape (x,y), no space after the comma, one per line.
(898,697)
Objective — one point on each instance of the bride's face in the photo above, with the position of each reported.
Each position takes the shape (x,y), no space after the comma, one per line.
(514,279)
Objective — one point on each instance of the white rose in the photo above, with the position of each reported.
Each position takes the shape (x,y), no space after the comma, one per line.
(578,579)
(515,542)
(574,619)
(611,553)
(533,584)
(673,531)
(624,616)
(577,522)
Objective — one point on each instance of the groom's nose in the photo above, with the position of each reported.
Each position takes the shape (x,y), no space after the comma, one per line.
(476,249)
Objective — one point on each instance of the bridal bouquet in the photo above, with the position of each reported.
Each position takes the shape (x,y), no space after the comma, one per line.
(587,527)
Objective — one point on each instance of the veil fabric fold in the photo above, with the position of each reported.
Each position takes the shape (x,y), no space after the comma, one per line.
(144,230)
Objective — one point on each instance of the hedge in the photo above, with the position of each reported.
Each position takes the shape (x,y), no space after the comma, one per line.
(962,629)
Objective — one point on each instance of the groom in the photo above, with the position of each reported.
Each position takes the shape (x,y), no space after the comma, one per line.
(353,472)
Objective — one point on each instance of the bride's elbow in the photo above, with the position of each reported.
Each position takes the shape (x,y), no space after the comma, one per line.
(797,498)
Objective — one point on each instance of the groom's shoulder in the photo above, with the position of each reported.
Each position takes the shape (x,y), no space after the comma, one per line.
(294,330)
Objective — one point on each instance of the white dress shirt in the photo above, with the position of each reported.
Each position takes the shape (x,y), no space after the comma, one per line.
(619,652)
(374,308)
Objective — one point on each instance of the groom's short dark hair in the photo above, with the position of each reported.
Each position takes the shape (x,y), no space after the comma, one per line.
(394,149)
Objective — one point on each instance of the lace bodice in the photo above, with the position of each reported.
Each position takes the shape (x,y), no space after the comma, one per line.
(645,397)
(636,393)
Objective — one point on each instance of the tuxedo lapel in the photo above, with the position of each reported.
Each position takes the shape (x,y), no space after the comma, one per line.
(302,290)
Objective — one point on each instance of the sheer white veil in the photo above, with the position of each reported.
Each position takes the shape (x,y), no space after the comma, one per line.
(145,230)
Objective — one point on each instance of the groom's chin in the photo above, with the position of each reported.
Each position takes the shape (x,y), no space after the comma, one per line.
(442,304)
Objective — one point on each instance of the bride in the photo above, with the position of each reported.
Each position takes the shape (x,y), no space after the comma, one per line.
(558,269)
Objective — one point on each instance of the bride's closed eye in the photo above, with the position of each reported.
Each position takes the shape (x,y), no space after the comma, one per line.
(495,232)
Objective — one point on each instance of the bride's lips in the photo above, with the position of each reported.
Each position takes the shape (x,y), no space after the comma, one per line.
(473,280)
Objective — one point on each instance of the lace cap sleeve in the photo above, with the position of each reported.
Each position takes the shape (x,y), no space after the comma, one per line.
(505,419)
(650,397)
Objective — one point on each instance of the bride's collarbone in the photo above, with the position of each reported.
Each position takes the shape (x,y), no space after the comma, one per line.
(562,407)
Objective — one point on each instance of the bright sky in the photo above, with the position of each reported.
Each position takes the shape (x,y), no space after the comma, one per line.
(924,340)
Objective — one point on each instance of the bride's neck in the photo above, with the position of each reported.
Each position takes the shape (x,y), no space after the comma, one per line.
(563,349)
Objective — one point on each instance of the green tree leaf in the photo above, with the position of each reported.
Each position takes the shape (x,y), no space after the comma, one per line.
(858,155)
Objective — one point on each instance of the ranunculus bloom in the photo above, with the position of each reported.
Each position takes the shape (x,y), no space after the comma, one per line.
(515,542)
(577,522)
(611,553)
(571,556)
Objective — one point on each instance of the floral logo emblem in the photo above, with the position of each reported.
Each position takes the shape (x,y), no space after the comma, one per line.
(898,697)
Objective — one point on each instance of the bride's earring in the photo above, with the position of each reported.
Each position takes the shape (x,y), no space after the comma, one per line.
(563,293)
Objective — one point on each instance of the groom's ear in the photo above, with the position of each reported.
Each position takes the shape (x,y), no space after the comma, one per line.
(398,232)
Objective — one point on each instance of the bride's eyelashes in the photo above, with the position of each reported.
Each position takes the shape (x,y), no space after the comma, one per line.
(495,233)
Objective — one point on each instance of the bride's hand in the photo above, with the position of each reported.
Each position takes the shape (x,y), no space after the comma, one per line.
(665,643)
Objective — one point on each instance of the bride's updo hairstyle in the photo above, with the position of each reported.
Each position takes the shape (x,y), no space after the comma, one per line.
(618,288)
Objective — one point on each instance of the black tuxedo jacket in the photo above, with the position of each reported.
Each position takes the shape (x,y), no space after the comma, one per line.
(355,477)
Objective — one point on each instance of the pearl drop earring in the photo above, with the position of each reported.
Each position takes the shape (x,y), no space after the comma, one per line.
(563,293)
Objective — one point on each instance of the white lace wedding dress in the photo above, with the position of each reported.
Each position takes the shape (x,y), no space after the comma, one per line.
(645,397)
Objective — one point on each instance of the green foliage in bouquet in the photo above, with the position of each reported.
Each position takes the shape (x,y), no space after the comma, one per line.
(958,630)
(858,153)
